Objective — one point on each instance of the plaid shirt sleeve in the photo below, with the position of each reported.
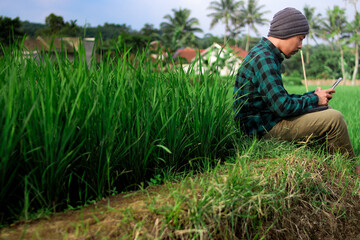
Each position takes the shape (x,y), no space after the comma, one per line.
(260,97)
(270,87)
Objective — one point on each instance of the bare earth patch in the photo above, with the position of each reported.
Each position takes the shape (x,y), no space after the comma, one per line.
(112,218)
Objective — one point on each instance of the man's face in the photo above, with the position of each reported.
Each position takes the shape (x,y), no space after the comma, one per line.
(292,45)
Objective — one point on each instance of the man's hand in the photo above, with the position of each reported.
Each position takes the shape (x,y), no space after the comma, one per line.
(324,95)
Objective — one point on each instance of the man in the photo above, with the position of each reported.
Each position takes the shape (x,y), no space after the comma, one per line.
(265,109)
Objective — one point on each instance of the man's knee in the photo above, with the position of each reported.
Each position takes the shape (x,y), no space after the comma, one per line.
(335,118)
(335,114)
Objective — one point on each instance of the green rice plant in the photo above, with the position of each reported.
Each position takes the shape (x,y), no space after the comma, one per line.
(346,102)
(73,131)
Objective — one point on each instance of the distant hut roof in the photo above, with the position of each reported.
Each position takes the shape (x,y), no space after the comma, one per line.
(187,53)
(45,43)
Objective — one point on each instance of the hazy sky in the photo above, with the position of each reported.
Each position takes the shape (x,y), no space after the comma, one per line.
(138,12)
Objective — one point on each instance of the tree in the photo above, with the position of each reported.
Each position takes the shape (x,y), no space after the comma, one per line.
(314,27)
(225,11)
(333,28)
(130,41)
(354,29)
(207,40)
(149,30)
(9,29)
(237,26)
(252,16)
(180,29)
(56,26)
(54,23)
(30,29)
(324,63)
(70,29)
(112,31)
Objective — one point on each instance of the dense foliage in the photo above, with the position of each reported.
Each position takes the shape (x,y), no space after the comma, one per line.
(9,30)
(72,132)
(324,64)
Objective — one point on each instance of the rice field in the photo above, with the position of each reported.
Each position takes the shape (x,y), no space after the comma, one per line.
(74,132)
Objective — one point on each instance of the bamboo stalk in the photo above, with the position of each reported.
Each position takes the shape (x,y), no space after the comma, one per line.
(303,66)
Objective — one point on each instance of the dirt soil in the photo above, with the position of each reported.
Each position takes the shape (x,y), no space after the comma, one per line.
(111,218)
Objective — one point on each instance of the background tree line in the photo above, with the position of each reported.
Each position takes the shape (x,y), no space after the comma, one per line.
(336,55)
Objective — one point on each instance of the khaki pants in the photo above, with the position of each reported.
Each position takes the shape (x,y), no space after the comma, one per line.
(328,125)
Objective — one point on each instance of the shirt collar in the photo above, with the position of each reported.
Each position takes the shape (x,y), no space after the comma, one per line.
(266,42)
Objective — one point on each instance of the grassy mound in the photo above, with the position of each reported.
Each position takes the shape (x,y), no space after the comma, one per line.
(270,191)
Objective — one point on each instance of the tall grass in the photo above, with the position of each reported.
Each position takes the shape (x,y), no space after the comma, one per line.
(346,101)
(71,132)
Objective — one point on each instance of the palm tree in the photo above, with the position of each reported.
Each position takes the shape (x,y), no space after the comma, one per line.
(333,28)
(314,27)
(354,29)
(225,11)
(238,25)
(251,17)
(180,29)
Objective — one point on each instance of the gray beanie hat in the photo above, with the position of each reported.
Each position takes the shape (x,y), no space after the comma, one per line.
(287,23)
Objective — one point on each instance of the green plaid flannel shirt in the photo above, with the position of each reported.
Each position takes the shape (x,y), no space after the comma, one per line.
(260,99)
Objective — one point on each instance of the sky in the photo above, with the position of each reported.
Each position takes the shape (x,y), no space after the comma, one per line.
(136,13)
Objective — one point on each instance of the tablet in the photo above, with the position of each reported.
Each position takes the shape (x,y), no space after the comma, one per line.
(317,109)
